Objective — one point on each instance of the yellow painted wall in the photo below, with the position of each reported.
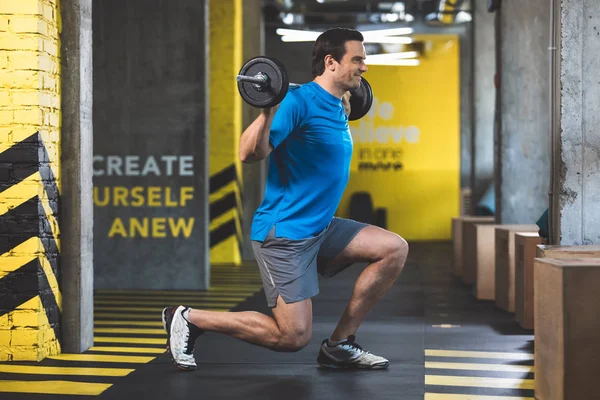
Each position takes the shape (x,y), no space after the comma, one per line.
(29,178)
(225,126)
(414,123)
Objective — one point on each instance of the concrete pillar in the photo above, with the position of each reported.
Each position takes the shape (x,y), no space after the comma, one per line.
(77,207)
(577,169)
(466,109)
(254,174)
(30,180)
(225,126)
(483,98)
(522,173)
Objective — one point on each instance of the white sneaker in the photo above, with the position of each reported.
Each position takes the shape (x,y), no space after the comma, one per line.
(349,355)
(182,336)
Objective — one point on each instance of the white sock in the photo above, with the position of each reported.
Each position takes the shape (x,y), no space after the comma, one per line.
(333,343)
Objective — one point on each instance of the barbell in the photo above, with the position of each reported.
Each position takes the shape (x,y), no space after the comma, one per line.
(263,83)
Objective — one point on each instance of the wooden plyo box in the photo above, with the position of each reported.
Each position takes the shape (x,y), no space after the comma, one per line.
(525,248)
(561,251)
(457,240)
(505,264)
(479,259)
(567,326)
(470,248)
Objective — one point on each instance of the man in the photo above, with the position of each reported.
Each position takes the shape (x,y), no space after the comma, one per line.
(294,234)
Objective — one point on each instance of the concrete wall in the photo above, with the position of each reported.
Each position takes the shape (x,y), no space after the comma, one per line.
(523,164)
(30,169)
(483,100)
(150,109)
(578,171)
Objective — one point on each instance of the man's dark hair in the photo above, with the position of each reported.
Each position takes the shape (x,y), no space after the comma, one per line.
(332,41)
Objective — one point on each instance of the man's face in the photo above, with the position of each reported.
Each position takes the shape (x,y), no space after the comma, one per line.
(351,66)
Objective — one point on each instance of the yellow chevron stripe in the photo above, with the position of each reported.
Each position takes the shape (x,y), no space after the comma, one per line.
(43,370)
(222,192)
(49,215)
(223,218)
(26,252)
(53,387)
(21,254)
(18,194)
(51,280)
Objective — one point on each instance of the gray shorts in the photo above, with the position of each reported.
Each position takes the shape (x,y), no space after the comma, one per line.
(289,267)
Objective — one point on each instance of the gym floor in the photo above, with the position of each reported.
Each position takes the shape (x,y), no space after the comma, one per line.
(441,342)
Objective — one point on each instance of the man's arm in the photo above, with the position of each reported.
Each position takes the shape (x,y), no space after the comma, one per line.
(254,142)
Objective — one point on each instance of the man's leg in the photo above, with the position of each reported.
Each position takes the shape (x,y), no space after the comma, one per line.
(386,253)
(289,330)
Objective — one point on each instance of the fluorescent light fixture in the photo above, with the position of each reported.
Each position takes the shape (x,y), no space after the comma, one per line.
(388,32)
(393,56)
(392,62)
(375,36)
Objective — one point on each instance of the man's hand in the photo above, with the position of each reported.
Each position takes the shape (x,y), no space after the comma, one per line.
(346,102)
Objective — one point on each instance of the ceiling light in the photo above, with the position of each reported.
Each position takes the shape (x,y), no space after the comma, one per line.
(395,56)
(391,62)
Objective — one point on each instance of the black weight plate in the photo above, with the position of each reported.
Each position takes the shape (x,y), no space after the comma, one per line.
(361,100)
(272,93)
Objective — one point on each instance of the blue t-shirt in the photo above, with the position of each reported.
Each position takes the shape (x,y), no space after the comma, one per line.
(309,166)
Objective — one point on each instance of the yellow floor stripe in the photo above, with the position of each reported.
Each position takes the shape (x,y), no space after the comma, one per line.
(137,331)
(468,381)
(479,367)
(82,371)
(100,339)
(479,354)
(141,350)
(103,358)
(164,299)
(443,396)
(242,289)
(158,310)
(161,303)
(125,323)
(138,317)
(54,387)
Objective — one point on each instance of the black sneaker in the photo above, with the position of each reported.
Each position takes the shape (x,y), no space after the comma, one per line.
(349,355)
(181,335)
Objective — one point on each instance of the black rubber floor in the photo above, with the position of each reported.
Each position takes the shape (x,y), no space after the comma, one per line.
(483,351)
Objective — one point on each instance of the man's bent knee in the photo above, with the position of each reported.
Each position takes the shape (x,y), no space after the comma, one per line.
(294,341)
(396,253)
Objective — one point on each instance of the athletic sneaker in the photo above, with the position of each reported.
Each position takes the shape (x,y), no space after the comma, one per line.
(349,355)
(182,336)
